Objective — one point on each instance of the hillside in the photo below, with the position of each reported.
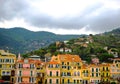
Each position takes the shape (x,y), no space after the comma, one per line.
(20,40)
(103,46)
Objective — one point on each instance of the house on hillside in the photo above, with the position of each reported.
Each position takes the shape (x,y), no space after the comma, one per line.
(113,51)
(65,50)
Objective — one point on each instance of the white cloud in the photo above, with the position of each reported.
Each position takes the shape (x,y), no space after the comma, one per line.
(70,16)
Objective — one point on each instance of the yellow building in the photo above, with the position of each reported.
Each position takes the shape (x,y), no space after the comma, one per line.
(70,68)
(105,72)
(40,72)
(76,64)
(95,76)
(7,66)
(85,74)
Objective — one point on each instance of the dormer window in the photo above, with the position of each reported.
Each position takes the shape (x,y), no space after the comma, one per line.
(50,66)
(26,61)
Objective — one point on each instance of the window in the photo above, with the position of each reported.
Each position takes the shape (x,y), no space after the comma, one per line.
(12,60)
(31,66)
(69,67)
(68,74)
(45,81)
(50,81)
(92,69)
(3,72)
(63,81)
(78,73)
(103,68)
(78,63)
(92,74)
(0,60)
(25,60)
(20,73)
(7,60)
(50,73)
(50,66)
(20,65)
(67,63)
(106,68)
(68,81)
(103,74)
(77,81)
(0,65)
(57,66)
(18,79)
(107,74)
(79,67)
(74,73)
(96,74)
(63,74)
(31,73)
(62,63)
(63,66)
(8,73)
(31,79)
(74,81)
(57,81)
(116,65)
(57,73)
(96,69)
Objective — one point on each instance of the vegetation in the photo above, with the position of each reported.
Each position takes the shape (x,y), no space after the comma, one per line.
(86,47)
(19,40)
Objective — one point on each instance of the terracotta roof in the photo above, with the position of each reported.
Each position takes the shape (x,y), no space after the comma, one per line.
(105,64)
(53,62)
(94,65)
(84,66)
(29,61)
(68,57)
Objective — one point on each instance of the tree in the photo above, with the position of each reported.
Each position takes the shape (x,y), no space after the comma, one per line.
(25,55)
(104,57)
(112,83)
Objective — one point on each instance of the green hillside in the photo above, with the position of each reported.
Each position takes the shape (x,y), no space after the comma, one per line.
(87,47)
(20,40)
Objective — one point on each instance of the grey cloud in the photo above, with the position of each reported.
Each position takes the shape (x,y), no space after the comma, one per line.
(107,20)
(11,8)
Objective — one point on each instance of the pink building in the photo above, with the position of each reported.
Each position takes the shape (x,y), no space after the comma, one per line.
(25,71)
(52,73)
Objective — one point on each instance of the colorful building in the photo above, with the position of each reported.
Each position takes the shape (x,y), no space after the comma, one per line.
(61,69)
(7,66)
(115,70)
(69,68)
(40,72)
(52,73)
(95,72)
(85,74)
(105,73)
(25,71)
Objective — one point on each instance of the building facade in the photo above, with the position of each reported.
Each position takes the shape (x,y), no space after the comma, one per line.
(7,66)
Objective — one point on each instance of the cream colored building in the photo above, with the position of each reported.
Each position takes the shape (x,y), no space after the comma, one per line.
(7,66)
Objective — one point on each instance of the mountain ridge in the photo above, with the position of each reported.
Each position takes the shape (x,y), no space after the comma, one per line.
(21,40)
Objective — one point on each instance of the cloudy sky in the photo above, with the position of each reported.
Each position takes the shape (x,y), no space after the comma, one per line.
(61,16)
